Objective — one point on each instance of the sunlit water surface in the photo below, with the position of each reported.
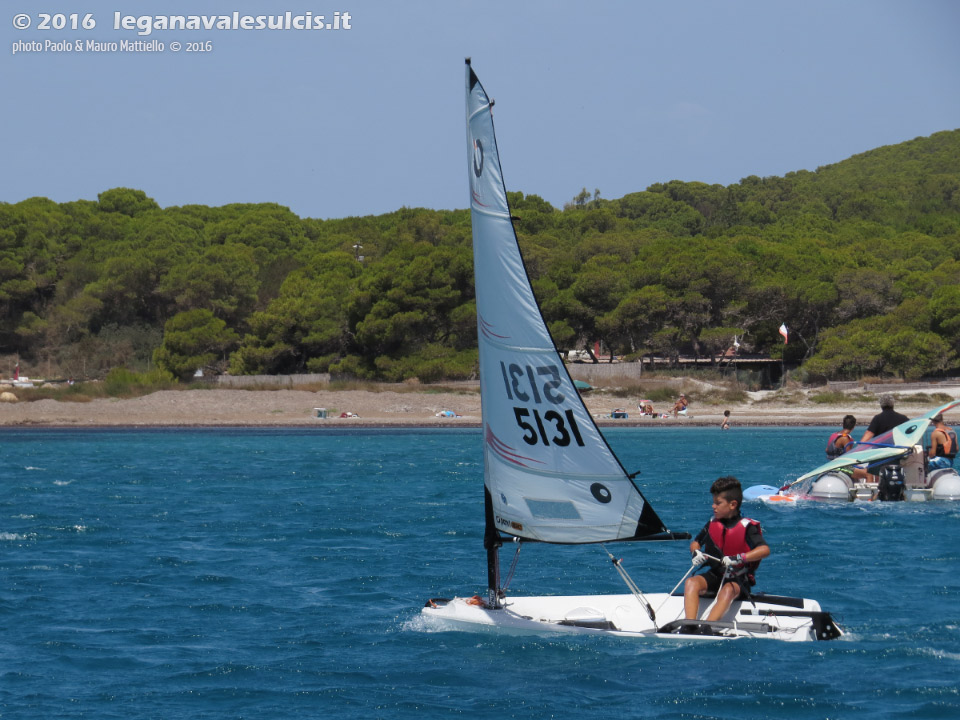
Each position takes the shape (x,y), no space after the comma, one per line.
(280,573)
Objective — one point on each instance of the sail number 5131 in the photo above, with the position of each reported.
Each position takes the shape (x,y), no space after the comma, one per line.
(540,384)
(551,428)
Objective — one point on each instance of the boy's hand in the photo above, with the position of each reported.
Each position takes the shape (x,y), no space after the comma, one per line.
(698,558)
(730,561)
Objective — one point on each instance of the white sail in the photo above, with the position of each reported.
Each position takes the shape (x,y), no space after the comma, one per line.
(550,474)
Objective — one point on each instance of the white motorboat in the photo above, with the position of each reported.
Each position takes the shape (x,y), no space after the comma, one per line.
(897,466)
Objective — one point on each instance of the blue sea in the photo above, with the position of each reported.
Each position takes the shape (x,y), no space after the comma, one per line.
(222,573)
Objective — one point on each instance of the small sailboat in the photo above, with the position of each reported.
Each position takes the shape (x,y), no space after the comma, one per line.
(897,464)
(549,474)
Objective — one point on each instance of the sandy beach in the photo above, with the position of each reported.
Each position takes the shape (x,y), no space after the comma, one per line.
(408,408)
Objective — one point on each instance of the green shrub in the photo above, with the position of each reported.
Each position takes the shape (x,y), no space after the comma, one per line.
(121,382)
(830,397)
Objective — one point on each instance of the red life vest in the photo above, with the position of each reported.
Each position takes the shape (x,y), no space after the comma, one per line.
(832,450)
(733,540)
(948,449)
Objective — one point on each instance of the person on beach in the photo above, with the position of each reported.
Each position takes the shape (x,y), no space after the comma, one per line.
(943,445)
(731,546)
(680,406)
(885,420)
(725,423)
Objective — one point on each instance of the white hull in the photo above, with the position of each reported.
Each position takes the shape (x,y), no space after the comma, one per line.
(792,619)
(896,460)
(943,484)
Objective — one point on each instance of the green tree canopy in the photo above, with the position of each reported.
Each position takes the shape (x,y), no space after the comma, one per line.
(194,340)
(861,259)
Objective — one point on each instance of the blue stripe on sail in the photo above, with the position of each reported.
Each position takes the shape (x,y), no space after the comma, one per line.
(491,213)
(553,510)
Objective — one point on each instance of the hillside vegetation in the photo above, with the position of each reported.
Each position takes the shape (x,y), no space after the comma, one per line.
(860,259)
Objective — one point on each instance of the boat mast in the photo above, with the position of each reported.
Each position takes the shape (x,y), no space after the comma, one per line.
(492,542)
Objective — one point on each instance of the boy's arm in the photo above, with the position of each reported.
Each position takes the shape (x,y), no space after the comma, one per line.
(759,548)
(757,554)
(697,542)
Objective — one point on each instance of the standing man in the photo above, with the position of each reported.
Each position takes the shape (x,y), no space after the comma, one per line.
(886,419)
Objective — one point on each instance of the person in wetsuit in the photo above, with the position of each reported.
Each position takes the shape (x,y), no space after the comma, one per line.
(737,544)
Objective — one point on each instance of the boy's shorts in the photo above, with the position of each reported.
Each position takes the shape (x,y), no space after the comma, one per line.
(714,579)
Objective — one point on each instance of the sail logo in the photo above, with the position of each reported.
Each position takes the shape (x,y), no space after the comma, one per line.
(509,524)
(477,158)
(601,493)
(475,190)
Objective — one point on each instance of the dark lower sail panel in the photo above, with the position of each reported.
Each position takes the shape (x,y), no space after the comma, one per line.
(492,543)
(651,527)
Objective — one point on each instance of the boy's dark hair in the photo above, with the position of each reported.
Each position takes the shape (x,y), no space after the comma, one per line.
(729,488)
(849,422)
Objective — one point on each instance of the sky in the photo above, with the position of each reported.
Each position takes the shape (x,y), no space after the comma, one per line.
(608,95)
